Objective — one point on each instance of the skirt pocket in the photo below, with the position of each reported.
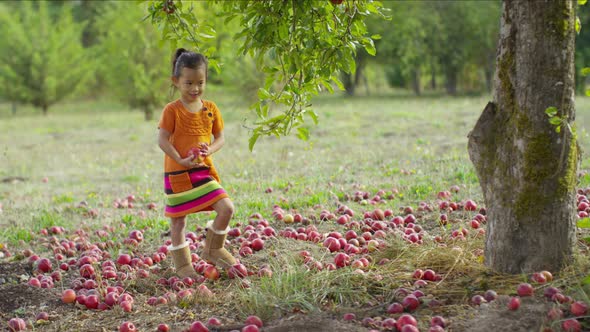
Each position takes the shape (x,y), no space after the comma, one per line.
(180,182)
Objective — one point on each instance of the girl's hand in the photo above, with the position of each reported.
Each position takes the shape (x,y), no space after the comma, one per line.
(191,161)
(204,149)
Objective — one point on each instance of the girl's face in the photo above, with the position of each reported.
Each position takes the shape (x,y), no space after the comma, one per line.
(191,83)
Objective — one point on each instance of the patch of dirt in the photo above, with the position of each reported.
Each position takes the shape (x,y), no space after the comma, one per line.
(19,296)
(495,316)
(12,272)
(309,323)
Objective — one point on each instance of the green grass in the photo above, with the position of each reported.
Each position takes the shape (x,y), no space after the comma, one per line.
(96,152)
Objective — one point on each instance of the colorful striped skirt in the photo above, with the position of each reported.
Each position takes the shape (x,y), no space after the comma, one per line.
(191,191)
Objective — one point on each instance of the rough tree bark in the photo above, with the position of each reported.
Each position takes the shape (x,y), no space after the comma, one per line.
(527,170)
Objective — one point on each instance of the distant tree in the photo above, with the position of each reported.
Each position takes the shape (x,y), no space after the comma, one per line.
(135,66)
(42,59)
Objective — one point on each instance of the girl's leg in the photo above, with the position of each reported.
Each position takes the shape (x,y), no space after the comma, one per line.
(179,249)
(225,210)
(177,226)
(214,250)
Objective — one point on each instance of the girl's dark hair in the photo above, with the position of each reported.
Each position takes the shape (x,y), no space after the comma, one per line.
(186,59)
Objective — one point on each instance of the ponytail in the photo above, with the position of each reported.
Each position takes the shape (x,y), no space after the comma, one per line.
(184,58)
(177,54)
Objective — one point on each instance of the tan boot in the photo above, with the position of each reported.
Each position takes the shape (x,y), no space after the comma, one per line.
(181,255)
(214,250)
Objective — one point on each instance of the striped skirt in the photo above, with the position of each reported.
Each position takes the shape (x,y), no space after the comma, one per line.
(191,191)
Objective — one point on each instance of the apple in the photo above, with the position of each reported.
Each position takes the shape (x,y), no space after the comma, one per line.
(87,271)
(514,303)
(525,289)
(438,321)
(550,291)
(336,2)
(406,319)
(91,302)
(265,272)
(34,282)
(579,308)
(211,272)
(136,235)
(478,299)
(429,275)
(253,320)
(395,308)
(111,299)
(349,316)
(571,325)
(127,306)
(341,260)
(42,316)
(332,244)
(17,324)
(124,259)
(410,302)
(288,218)
(250,328)
(418,274)
(470,205)
(548,275)
(257,244)
(163,328)
(237,270)
(555,313)
(127,327)
(490,295)
(44,265)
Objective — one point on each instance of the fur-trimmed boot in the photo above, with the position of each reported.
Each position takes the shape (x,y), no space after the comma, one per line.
(181,255)
(214,250)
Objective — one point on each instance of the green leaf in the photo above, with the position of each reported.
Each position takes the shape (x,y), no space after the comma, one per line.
(376,37)
(587,92)
(578,25)
(556,121)
(585,71)
(263,94)
(582,2)
(252,140)
(551,111)
(586,239)
(558,129)
(313,116)
(303,133)
(586,280)
(583,223)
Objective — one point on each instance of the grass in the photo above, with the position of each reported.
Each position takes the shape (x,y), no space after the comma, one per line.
(97,152)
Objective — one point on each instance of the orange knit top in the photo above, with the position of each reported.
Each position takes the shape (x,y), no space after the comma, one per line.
(188,130)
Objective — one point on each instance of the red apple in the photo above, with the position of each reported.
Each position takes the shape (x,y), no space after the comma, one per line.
(44,265)
(42,316)
(17,324)
(406,319)
(163,328)
(438,320)
(237,270)
(571,325)
(490,295)
(257,244)
(470,205)
(349,316)
(91,302)
(395,308)
(127,327)
(198,326)
(341,260)
(525,289)
(253,320)
(124,259)
(579,308)
(411,302)
(514,303)
(478,299)
(127,306)
(250,328)
(211,272)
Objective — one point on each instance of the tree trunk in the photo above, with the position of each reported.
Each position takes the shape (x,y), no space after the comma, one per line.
(451,74)
(13,108)
(148,113)
(527,171)
(416,85)
(432,76)
(45,108)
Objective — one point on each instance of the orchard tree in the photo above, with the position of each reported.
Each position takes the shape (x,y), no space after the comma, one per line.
(300,47)
(524,145)
(133,64)
(42,59)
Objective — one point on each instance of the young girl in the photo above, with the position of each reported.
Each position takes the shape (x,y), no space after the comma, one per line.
(191,182)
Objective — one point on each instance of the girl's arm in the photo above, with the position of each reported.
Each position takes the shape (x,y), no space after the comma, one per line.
(168,148)
(218,142)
